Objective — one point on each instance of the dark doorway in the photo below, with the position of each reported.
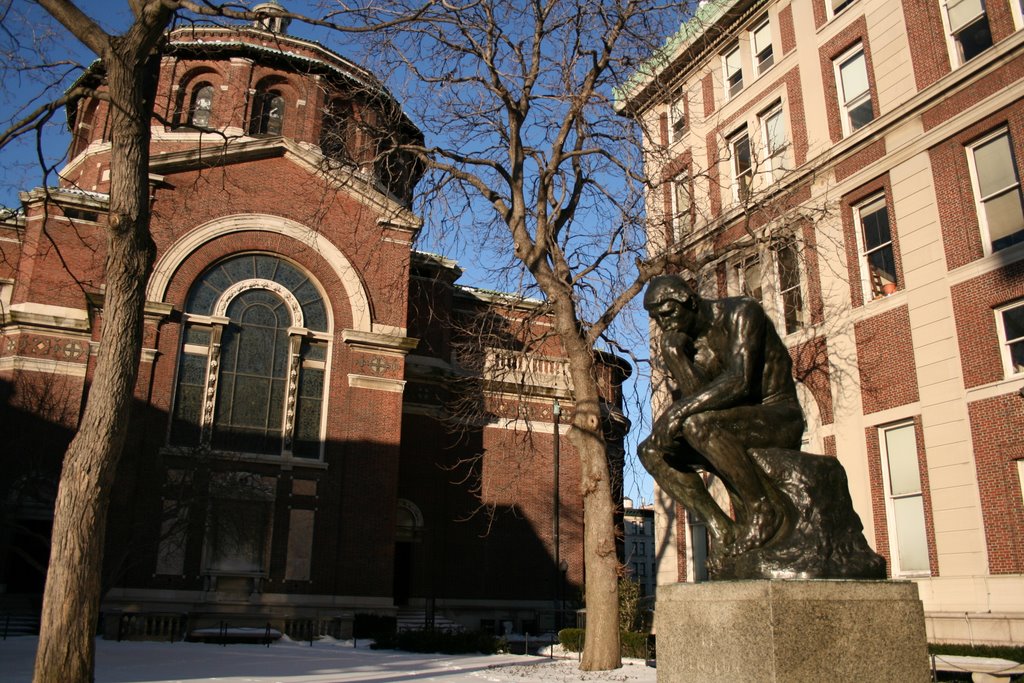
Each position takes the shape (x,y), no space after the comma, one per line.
(403,572)
(28,555)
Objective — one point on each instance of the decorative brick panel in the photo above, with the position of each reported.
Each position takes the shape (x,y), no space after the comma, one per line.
(926,39)
(811,368)
(996,434)
(787,32)
(885,361)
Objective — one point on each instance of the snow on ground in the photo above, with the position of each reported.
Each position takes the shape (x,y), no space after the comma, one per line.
(293,662)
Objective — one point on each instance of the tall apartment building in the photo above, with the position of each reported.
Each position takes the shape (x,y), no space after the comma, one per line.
(291,454)
(638,543)
(856,165)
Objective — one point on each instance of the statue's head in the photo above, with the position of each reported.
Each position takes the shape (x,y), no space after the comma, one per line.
(672,303)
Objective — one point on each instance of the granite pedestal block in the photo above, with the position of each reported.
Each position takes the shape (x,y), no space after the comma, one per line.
(782,631)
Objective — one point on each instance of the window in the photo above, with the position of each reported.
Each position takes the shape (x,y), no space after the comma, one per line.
(682,207)
(677,117)
(908,538)
(733,72)
(875,241)
(336,131)
(855,109)
(740,162)
(997,190)
(268,113)
(773,140)
(761,38)
(1010,323)
(239,523)
(788,258)
(253,359)
(746,277)
(201,106)
(836,6)
(968,28)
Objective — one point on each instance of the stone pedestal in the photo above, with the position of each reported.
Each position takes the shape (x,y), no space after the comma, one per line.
(791,632)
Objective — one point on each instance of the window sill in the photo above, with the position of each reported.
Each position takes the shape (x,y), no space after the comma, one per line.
(283,462)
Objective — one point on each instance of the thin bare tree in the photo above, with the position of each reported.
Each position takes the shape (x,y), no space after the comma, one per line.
(529,163)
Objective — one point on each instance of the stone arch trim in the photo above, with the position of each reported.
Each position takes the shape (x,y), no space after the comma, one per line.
(356,294)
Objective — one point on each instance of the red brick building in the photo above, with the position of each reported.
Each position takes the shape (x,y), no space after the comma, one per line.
(856,165)
(325,422)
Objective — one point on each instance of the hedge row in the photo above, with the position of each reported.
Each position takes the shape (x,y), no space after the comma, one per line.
(633,644)
(445,642)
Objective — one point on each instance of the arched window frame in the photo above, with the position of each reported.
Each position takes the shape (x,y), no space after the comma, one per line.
(308,357)
(268,99)
(196,104)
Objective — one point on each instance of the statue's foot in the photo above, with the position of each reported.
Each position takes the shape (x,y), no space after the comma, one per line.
(763,522)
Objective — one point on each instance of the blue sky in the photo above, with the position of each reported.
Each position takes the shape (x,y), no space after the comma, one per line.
(24,88)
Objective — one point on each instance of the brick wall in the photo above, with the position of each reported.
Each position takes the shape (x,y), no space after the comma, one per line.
(885,361)
(996,436)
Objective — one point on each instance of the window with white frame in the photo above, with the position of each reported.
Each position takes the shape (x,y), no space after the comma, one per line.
(773,141)
(251,376)
(967,23)
(682,207)
(761,39)
(854,91)
(677,118)
(733,72)
(746,277)
(741,165)
(997,190)
(787,256)
(1010,324)
(874,239)
(834,7)
(901,474)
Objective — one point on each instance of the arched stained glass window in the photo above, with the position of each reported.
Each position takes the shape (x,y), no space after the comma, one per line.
(268,113)
(251,378)
(201,106)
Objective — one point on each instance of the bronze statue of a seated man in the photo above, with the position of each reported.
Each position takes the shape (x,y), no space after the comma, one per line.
(734,392)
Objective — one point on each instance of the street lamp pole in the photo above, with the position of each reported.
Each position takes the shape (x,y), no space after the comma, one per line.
(556,411)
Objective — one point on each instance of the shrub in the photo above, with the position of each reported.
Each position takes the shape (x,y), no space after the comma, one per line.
(372,626)
(1011,652)
(633,644)
(571,639)
(447,642)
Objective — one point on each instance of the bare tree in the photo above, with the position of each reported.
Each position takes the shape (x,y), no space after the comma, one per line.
(537,170)
(129,67)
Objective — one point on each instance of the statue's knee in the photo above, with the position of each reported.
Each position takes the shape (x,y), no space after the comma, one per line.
(697,428)
(649,453)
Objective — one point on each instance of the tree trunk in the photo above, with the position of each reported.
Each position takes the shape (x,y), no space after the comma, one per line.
(601,648)
(72,594)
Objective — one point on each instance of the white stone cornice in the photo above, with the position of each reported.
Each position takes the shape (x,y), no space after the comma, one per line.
(51,317)
(52,367)
(391,343)
(396,386)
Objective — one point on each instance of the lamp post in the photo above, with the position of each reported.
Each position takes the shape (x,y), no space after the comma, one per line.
(556,411)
